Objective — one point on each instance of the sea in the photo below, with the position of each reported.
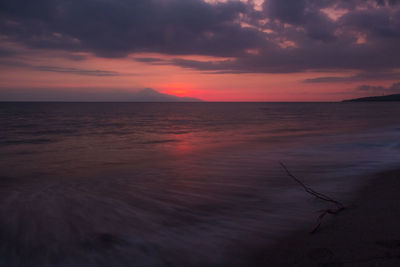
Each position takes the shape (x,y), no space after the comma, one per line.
(178,184)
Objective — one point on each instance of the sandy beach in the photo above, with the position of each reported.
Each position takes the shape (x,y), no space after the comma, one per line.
(365,234)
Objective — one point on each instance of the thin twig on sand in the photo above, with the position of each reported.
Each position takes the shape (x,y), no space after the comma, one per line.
(339,206)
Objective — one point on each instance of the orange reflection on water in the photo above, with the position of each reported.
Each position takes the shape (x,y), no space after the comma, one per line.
(185,143)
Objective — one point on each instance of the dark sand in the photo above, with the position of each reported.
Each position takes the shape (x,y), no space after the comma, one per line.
(367,233)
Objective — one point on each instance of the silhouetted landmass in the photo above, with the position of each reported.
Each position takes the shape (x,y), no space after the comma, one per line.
(151,95)
(386,98)
(45,95)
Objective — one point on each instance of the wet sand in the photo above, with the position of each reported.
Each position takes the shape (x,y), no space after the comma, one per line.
(367,233)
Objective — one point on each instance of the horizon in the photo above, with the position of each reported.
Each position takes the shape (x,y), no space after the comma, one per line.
(214,50)
(182,100)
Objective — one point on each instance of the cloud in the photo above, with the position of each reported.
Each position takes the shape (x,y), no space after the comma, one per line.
(363,76)
(4,52)
(153,61)
(117,28)
(149,60)
(287,35)
(392,89)
(78,71)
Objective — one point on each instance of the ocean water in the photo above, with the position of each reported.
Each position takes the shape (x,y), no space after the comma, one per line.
(177,184)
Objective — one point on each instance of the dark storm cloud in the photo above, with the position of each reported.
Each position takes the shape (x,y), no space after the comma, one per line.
(306,14)
(285,36)
(117,28)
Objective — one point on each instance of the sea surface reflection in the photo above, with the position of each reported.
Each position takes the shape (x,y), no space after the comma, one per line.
(176,184)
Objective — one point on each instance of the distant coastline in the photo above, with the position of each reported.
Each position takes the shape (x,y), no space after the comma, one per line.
(386,98)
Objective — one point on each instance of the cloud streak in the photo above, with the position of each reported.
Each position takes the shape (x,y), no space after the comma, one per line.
(58,69)
(392,89)
(363,76)
(76,71)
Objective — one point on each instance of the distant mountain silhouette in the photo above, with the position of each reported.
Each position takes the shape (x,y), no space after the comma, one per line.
(151,95)
(386,98)
(144,95)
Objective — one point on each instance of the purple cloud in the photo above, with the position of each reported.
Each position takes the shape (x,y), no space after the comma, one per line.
(287,35)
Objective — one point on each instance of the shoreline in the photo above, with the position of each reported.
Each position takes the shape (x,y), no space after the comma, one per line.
(367,233)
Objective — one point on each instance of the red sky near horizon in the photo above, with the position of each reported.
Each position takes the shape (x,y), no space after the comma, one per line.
(232,51)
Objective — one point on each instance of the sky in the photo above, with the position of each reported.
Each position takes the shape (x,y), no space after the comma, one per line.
(215,50)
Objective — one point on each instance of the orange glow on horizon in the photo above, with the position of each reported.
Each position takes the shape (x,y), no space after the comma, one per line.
(178,89)
(128,75)
(179,92)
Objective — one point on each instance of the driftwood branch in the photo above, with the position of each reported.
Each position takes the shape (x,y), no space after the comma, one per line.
(339,206)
